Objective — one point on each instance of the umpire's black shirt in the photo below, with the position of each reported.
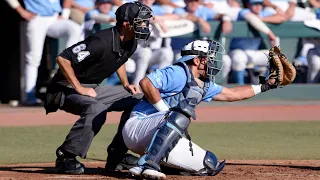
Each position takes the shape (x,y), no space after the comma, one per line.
(93,60)
(98,56)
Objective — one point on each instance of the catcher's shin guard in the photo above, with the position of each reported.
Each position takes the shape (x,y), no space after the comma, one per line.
(164,140)
(211,165)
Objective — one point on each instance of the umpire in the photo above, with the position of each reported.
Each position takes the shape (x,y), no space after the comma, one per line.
(75,87)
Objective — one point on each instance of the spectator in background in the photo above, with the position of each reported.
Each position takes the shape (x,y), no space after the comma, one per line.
(156,51)
(42,19)
(313,55)
(289,9)
(229,7)
(101,14)
(246,50)
(313,58)
(170,5)
(79,9)
(117,3)
(315,4)
(199,14)
(292,12)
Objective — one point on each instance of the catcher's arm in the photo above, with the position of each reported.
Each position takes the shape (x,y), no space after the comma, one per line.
(239,93)
(153,94)
(281,73)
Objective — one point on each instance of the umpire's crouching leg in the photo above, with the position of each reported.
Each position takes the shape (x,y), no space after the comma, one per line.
(92,117)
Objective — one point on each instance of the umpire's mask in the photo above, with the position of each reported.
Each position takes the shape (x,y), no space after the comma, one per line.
(141,23)
(205,48)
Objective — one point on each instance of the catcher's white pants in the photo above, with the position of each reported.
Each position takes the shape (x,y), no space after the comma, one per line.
(145,57)
(313,62)
(36,31)
(240,58)
(139,130)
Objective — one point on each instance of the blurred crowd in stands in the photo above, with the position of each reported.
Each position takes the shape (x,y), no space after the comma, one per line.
(244,60)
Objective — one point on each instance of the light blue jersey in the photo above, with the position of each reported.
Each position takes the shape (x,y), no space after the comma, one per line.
(202,12)
(111,14)
(85,3)
(43,7)
(248,43)
(318,13)
(127,1)
(157,10)
(276,1)
(169,81)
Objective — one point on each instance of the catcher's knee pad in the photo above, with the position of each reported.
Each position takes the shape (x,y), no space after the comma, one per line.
(211,165)
(165,139)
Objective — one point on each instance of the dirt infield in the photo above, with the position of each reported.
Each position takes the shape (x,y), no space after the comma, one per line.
(235,169)
(240,170)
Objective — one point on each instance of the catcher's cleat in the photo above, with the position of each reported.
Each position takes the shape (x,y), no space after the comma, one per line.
(128,162)
(69,166)
(153,174)
(141,171)
(136,171)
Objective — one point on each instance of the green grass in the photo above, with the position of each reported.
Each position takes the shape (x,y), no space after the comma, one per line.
(267,140)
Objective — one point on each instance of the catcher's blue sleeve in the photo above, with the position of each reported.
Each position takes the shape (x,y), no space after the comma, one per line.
(212,92)
(171,79)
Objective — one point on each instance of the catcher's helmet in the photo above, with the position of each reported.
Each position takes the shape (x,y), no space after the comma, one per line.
(204,48)
(138,15)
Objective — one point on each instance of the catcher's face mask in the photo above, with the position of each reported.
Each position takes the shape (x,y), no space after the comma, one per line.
(208,50)
(141,24)
(214,65)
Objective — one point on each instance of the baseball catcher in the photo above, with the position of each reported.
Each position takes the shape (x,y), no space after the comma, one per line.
(158,125)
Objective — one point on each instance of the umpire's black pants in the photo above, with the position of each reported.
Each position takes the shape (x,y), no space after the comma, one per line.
(92,113)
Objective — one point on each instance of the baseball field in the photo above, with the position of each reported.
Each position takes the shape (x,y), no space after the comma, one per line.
(259,140)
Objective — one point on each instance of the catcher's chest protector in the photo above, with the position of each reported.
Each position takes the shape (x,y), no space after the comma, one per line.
(191,90)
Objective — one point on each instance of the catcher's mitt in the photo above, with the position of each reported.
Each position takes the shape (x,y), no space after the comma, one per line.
(280,68)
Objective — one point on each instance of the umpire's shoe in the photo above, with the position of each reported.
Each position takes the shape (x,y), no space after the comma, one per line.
(129,161)
(67,163)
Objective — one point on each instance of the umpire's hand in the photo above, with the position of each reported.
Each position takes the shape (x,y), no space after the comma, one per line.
(134,89)
(87,92)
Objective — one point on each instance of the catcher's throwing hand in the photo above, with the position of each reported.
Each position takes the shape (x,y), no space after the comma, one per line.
(134,89)
(281,69)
